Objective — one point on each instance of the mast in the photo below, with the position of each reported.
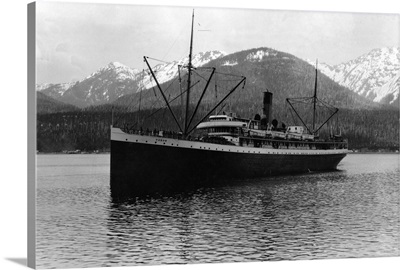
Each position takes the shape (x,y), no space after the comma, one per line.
(140,98)
(314,100)
(181,93)
(112,115)
(243,80)
(201,97)
(162,93)
(315,97)
(189,74)
(216,93)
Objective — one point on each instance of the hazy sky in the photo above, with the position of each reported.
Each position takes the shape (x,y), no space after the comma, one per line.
(74,40)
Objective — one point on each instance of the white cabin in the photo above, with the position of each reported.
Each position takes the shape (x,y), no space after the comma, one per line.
(298,133)
(224,126)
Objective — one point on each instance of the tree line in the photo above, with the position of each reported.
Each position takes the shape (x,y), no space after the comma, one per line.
(90,130)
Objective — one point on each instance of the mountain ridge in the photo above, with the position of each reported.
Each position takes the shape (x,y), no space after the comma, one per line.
(362,121)
(116,80)
(374,75)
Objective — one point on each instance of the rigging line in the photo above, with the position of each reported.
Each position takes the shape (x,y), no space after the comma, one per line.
(301,119)
(327,104)
(243,81)
(163,107)
(223,88)
(140,98)
(166,62)
(200,75)
(205,68)
(157,99)
(133,99)
(229,74)
(293,118)
(301,98)
(172,81)
(222,107)
(201,98)
(162,93)
(176,39)
(152,107)
(228,80)
(152,88)
(172,100)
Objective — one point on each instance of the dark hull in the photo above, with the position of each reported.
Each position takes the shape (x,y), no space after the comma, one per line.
(143,169)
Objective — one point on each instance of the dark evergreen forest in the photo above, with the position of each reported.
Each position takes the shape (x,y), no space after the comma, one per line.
(90,130)
(365,124)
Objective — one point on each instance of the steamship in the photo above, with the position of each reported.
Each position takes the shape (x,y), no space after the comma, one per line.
(156,162)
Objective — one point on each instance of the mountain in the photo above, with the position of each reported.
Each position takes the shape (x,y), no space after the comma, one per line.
(104,85)
(54,90)
(364,122)
(374,75)
(116,80)
(281,73)
(46,104)
(168,71)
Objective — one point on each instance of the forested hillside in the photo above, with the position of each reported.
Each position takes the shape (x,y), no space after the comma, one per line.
(90,130)
(46,104)
(366,124)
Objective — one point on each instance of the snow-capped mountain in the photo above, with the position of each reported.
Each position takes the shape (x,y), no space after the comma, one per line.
(374,75)
(169,71)
(120,71)
(42,86)
(54,90)
(259,55)
(104,85)
(115,80)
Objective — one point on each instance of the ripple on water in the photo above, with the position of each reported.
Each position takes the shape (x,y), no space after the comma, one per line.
(349,213)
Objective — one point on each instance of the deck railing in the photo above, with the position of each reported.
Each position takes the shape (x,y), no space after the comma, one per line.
(251,141)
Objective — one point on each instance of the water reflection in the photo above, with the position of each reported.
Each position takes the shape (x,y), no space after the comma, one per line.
(303,217)
(148,228)
(221,224)
(352,212)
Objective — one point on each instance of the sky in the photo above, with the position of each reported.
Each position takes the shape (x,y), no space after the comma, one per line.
(75,39)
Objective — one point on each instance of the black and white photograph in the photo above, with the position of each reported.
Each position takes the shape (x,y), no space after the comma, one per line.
(169,135)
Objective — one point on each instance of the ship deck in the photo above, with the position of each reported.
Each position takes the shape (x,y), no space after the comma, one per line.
(144,164)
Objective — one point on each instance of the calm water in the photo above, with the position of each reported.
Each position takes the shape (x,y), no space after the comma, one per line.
(353,212)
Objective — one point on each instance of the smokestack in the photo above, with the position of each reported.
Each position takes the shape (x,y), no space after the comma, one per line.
(267,109)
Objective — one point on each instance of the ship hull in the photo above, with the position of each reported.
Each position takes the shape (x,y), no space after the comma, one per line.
(144,165)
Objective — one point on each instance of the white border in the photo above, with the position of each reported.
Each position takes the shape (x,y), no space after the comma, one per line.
(13,191)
